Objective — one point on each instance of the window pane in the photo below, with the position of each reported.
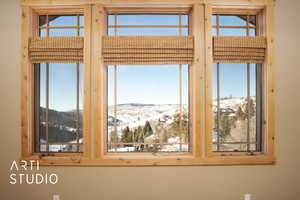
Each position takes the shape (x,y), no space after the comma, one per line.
(147,108)
(232,20)
(214,31)
(43,32)
(63,115)
(57,20)
(62,103)
(81,20)
(63,32)
(148,31)
(236,127)
(155,19)
(252,32)
(81,32)
(230,126)
(41,69)
(184,20)
(111,19)
(233,32)
(214,20)
(252,107)
(42,20)
(252,20)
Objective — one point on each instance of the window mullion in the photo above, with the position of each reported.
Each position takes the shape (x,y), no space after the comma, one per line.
(248,107)
(47,107)
(115,136)
(115,107)
(47,25)
(37,83)
(180,94)
(218,107)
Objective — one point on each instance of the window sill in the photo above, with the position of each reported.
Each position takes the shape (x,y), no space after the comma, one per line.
(153,160)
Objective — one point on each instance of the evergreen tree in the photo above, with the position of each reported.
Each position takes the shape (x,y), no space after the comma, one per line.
(225,125)
(250,107)
(147,130)
(175,126)
(139,134)
(126,135)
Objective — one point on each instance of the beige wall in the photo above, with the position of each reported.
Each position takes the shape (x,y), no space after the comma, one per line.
(278,182)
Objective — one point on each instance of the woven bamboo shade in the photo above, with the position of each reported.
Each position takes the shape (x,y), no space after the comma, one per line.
(239,49)
(126,50)
(56,49)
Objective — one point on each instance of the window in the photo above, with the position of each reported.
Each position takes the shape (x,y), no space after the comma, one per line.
(148,108)
(61,25)
(112,86)
(237,93)
(59,92)
(237,107)
(148,24)
(238,25)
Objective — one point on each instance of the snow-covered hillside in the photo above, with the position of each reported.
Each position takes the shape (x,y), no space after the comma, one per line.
(133,115)
(232,103)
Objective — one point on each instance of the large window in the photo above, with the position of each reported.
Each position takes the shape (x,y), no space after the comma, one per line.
(147,85)
(59,92)
(237,93)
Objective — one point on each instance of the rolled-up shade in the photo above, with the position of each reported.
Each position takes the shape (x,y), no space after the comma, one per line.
(126,50)
(239,49)
(56,49)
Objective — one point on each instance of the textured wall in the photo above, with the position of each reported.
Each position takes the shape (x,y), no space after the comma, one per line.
(278,182)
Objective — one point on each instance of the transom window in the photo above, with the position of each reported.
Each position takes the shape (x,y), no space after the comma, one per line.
(61,25)
(148,24)
(234,25)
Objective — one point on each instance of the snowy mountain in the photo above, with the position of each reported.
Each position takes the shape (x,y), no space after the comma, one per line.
(133,115)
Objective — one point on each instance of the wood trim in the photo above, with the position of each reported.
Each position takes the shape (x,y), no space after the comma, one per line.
(26,131)
(269,64)
(196,78)
(56,27)
(30,28)
(265,27)
(40,155)
(240,27)
(147,10)
(158,3)
(235,11)
(59,11)
(154,161)
(208,80)
(147,26)
(99,82)
(87,80)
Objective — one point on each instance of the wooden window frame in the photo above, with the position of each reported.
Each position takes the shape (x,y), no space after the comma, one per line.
(30,27)
(95,27)
(264,28)
(133,11)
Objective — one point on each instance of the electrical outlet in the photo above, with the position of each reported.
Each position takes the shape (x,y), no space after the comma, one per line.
(247,197)
(56,197)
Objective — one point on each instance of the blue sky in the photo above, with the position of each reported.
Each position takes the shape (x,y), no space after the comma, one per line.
(148,84)
(141,84)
